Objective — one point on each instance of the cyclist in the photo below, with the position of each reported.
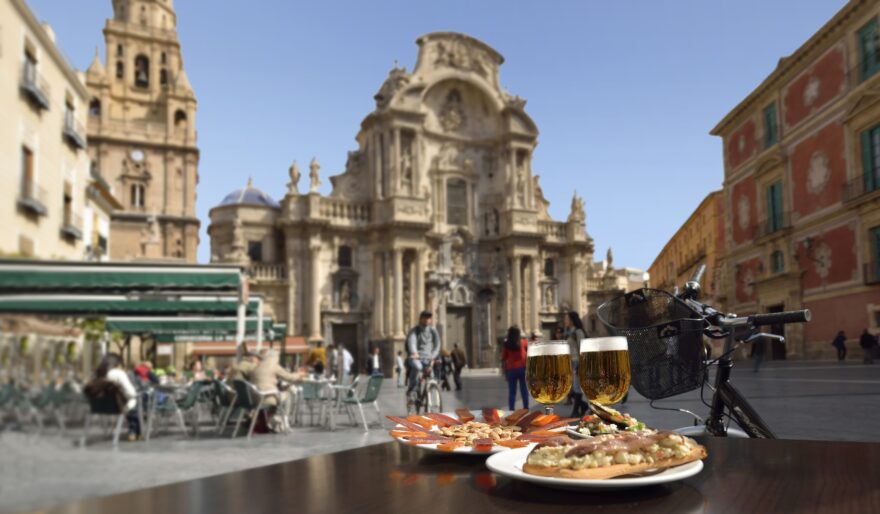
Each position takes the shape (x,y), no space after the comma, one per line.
(423,344)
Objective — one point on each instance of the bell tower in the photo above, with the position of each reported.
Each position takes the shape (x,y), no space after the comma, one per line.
(142,137)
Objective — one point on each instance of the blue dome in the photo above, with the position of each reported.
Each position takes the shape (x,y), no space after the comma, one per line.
(249,195)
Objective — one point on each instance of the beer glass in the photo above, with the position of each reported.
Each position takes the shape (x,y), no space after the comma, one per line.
(603,369)
(548,372)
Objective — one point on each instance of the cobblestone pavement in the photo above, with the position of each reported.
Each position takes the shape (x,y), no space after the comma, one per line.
(802,400)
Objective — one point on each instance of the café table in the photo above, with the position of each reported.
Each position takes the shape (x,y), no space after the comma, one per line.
(740,475)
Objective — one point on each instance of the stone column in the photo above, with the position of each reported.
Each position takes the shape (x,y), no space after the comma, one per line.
(576,287)
(378,296)
(388,295)
(398,293)
(291,293)
(395,163)
(377,164)
(419,299)
(535,319)
(517,292)
(315,293)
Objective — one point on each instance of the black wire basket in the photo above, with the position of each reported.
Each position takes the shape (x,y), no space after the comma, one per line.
(665,340)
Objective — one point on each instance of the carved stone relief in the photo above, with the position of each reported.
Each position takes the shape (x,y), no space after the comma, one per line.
(452,115)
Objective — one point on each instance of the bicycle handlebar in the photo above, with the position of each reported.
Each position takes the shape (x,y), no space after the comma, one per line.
(774,318)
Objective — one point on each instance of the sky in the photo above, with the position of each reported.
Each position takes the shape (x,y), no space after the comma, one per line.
(624,93)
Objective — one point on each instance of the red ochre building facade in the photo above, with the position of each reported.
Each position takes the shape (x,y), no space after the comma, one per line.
(802,188)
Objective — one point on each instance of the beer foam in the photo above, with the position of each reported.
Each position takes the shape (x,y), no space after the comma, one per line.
(603,344)
(559,348)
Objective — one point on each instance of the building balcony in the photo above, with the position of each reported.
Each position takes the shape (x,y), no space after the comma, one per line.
(266,272)
(344,210)
(33,199)
(553,230)
(857,187)
(72,226)
(769,227)
(74,133)
(34,86)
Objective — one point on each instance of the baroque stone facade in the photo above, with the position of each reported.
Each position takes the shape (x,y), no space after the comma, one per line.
(141,133)
(438,208)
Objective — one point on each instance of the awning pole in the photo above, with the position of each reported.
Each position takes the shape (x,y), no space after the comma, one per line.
(243,294)
(259,324)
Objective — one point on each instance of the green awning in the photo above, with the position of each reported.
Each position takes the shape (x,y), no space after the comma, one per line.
(183,326)
(40,276)
(73,305)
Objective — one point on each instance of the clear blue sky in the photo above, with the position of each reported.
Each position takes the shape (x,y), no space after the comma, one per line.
(624,93)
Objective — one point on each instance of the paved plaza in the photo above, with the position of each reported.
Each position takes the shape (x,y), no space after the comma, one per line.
(800,400)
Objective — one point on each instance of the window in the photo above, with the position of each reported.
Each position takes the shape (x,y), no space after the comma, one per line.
(343,257)
(777,262)
(95,108)
(456,202)
(255,251)
(27,172)
(871,158)
(30,65)
(118,50)
(163,77)
(142,71)
(68,205)
(120,70)
(68,113)
(549,268)
(775,216)
(770,130)
(137,195)
(164,58)
(869,60)
(179,118)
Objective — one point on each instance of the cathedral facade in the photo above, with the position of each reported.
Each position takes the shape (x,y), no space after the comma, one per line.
(437,209)
(141,133)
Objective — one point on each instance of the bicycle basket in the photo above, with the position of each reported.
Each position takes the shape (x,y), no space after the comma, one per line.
(665,339)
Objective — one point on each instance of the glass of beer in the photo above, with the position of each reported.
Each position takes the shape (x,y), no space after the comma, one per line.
(603,369)
(548,372)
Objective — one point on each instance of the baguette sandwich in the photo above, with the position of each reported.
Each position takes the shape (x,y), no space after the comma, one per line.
(613,455)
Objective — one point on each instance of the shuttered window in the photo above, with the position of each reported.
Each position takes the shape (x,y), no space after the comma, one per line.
(869,60)
(775,216)
(770,129)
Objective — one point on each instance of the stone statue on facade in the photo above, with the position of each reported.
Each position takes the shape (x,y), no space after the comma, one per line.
(314,178)
(293,185)
(345,295)
(521,186)
(577,209)
(406,173)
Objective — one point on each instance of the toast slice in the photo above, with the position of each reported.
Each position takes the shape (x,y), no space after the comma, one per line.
(615,470)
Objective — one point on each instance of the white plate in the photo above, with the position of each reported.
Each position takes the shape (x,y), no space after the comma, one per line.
(510,464)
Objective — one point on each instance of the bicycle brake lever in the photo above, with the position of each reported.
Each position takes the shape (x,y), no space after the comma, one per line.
(759,335)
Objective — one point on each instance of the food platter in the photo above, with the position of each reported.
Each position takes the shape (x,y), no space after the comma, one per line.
(459,432)
(510,464)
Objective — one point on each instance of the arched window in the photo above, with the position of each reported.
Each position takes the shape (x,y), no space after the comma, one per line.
(95,108)
(163,77)
(142,71)
(137,195)
(120,70)
(164,59)
(118,50)
(343,257)
(456,202)
(179,118)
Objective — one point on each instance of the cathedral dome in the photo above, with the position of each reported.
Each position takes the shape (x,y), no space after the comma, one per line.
(249,195)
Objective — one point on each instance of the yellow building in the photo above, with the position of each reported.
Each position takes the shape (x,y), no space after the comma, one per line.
(700,240)
(51,206)
(802,186)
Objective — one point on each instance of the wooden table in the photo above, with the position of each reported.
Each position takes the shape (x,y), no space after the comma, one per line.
(741,475)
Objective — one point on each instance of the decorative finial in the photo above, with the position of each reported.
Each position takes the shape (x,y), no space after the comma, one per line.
(250,183)
(293,185)
(314,179)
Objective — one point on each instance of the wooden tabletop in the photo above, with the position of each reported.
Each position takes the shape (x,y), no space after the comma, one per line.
(741,475)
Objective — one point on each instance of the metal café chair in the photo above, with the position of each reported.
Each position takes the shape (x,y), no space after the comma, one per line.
(224,399)
(371,395)
(174,407)
(108,404)
(252,401)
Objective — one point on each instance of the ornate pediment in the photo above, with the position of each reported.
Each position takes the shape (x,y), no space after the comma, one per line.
(457,52)
(868,98)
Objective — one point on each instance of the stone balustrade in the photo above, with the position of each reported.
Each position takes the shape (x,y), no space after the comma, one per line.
(262,272)
(337,209)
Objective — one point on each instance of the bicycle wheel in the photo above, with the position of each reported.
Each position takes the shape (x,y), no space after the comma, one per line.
(434,402)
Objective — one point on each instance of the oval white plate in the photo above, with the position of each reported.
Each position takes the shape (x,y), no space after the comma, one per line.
(510,464)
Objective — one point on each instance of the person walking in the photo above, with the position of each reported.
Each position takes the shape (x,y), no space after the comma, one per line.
(375,362)
(574,332)
(423,344)
(445,365)
(459,361)
(399,368)
(347,361)
(868,342)
(513,358)
(840,343)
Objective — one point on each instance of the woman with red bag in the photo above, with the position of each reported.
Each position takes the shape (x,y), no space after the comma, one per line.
(513,358)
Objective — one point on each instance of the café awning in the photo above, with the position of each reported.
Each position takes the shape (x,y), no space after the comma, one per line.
(44,276)
(180,329)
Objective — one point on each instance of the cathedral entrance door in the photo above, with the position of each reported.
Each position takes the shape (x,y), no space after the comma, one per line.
(345,335)
(458,331)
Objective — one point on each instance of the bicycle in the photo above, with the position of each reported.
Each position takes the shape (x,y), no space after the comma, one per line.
(426,396)
(668,356)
